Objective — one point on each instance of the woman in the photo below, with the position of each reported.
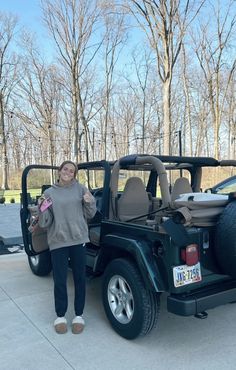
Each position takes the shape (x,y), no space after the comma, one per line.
(69,205)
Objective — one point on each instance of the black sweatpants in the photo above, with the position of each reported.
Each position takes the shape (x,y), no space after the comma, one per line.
(60,261)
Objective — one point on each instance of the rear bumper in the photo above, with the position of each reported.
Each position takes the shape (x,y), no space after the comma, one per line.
(202,300)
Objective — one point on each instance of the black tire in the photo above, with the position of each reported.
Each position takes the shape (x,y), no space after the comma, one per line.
(41,264)
(225,244)
(130,307)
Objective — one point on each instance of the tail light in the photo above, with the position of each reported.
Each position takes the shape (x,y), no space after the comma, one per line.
(190,255)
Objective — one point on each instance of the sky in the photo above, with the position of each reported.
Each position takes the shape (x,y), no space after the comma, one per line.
(28,11)
(30,17)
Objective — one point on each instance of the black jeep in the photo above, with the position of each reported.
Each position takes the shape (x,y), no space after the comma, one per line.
(155,231)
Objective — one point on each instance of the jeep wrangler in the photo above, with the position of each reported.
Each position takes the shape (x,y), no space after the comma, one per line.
(155,231)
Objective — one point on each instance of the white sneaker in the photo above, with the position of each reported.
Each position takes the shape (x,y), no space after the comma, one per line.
(60,325)
(78,325)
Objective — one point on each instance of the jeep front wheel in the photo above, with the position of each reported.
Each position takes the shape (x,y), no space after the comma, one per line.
(130,307)
(41,264)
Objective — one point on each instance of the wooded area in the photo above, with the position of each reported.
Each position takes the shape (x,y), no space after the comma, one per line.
(124,76)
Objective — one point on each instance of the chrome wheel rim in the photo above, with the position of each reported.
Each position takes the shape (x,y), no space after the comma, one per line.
(34,260)
(121,300)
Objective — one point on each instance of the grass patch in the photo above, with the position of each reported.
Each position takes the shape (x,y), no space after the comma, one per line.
(9,195)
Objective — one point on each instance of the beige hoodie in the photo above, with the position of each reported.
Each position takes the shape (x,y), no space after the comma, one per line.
(66,219)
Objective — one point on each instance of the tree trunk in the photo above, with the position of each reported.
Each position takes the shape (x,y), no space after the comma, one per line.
(187,104)
(166,118)
(4,147)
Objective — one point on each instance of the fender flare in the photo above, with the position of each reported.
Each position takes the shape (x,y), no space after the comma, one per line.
(140,252)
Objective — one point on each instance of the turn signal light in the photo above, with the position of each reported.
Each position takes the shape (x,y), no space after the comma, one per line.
(190,255)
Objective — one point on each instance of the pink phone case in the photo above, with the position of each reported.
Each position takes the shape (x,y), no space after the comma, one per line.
(46,203)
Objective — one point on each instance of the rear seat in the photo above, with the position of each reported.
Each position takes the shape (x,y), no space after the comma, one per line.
(134,201)
(181,186)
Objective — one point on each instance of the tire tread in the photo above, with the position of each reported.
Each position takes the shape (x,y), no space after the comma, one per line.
(151,300)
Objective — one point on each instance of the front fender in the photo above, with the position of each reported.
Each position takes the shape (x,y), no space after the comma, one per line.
(141,251)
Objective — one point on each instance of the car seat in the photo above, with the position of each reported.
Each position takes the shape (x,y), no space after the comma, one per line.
(134,201)
(181,186)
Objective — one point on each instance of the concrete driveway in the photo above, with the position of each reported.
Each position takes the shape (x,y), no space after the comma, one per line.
(28,340)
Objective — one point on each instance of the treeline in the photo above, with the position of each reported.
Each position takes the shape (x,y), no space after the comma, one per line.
(122,77)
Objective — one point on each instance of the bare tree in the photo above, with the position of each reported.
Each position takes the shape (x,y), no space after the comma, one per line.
(72,24)
(8,63)
(124,120)
(212,53)
(40,89)
(114,39)
(230,112)
(165,24)
(144,87)
(187,96)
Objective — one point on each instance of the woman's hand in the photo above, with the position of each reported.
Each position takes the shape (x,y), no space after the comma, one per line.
(40,201)
(88,198)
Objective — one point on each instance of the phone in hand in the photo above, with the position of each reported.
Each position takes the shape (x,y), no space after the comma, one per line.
(45,204)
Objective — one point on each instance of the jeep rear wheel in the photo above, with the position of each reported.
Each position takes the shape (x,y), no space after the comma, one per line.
(41,264)
(130,307)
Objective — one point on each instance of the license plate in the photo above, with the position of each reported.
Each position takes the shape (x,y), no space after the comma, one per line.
(185,274)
